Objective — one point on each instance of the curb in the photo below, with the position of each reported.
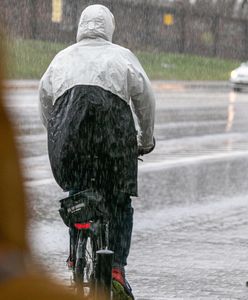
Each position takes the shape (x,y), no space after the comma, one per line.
(21,84)
(158,85)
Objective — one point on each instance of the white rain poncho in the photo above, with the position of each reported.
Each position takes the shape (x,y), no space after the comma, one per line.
(94,60)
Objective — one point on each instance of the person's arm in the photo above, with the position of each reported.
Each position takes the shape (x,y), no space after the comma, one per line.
(45,96)
(143,103)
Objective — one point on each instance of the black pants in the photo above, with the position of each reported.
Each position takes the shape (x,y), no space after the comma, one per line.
(120,226)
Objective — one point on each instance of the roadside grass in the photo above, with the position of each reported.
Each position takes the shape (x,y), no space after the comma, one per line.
(28,59)
(171,66)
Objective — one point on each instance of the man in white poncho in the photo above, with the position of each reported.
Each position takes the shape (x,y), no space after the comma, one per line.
(86,96)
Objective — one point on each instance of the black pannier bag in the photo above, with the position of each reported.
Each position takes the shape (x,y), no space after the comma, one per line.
(82,207)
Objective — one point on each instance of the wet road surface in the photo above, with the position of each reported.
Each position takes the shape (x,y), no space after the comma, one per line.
(190,238)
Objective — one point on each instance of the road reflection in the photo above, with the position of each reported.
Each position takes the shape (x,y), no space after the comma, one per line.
(231,110)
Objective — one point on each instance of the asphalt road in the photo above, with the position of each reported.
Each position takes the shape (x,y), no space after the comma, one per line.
(190,238)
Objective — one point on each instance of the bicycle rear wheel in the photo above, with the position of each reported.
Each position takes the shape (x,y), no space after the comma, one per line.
(84,267)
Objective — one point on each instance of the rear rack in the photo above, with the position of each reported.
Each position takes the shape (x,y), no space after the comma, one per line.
(87,205)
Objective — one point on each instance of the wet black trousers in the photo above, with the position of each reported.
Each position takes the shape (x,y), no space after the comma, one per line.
(120,233)
(120,227)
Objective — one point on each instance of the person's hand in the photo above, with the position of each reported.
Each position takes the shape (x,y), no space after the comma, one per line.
(143,151)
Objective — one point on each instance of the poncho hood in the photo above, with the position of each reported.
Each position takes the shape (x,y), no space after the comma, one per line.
(96,21)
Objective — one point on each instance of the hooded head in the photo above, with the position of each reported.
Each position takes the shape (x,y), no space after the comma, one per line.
(96,21)
(12,198)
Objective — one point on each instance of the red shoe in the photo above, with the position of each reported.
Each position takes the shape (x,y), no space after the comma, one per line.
(118,275)
(121,287)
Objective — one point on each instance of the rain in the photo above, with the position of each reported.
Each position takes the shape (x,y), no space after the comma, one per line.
(189,237)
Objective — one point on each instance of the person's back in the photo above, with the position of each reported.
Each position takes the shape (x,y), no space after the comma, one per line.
(85,98)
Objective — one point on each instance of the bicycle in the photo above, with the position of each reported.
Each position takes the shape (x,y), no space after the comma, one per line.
(86,216)
(85,213)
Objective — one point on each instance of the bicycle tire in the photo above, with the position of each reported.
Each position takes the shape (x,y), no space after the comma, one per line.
(79,261)
(84,266)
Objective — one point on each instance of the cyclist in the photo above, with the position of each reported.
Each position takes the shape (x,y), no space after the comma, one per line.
(86,96)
